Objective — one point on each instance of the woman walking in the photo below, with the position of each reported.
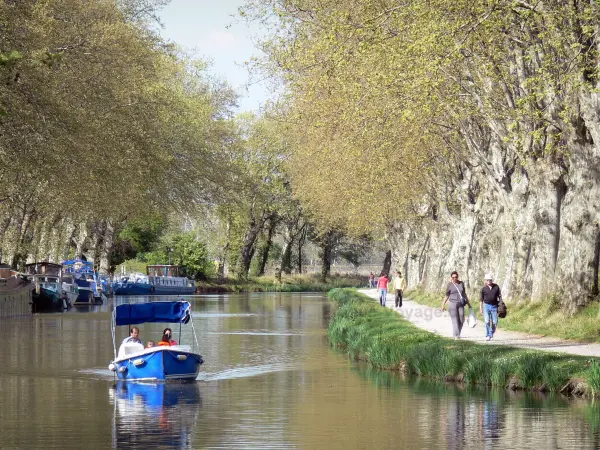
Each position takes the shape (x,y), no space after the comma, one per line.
(456,293)
(382,286)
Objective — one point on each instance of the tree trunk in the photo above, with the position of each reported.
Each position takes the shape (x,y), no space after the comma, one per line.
(81,240)
(325,261)
(327,244)
(301,241)
(266,247)
(20,255)
(67,240)
(3,227)
(225,252)
(387,263)
(106,248)
(96,242)
(286,258)
(247,250)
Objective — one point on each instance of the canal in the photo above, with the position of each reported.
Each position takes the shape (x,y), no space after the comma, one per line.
(269,380)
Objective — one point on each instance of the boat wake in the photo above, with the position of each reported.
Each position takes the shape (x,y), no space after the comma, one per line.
(245,372)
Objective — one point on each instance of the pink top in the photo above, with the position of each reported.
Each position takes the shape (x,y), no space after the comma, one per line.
(382,282)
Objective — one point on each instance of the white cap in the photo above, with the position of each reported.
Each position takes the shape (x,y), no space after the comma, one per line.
(488,276)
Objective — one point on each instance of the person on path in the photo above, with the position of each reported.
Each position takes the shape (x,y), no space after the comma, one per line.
(488,305)
(382,286)
(399,286)
(457,295)
(371,280)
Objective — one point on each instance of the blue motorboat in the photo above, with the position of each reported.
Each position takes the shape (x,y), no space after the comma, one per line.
(160,279)
(106,284)
(165,279)
(133,284)
(134,362)
(89,290)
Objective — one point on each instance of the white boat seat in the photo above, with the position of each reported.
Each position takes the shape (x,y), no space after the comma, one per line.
(130,348)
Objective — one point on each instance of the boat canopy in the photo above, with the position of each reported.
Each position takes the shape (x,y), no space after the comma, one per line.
(165,312)
(70,262)
(78,266)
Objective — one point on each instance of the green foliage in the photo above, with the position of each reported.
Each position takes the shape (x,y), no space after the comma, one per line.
(131,265)
(138,236)
(143,234)
(191,254)
(10,58)
(101,116)
(354,251)
(185,250)
(417,91)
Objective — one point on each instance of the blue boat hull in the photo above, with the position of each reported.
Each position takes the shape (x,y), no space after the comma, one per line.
(160,364)
(149,289)
(174,290)
(133,289)
(87,297)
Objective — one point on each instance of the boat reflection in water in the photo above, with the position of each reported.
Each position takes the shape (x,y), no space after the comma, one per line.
(154,415)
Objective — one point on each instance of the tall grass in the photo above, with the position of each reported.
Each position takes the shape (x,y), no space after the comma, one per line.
(593,377)
(388,341)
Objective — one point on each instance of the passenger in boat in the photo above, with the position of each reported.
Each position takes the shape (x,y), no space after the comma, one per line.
(134,334)
(165,341)
(168,332)
(150,344)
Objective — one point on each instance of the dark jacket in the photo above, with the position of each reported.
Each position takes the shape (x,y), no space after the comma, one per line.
(491,295)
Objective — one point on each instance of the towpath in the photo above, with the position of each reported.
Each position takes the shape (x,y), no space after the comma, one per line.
(436,321)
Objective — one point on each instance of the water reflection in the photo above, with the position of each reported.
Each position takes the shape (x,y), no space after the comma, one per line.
(150,415)
(270,381)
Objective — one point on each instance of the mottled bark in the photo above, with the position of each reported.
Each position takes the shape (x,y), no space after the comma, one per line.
(81,239)
(247,250)
(301,242)
(224,252)
(327,244)
(266,247)
(106,248)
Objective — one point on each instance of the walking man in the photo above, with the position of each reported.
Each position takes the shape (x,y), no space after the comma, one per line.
(488,305)
(382,286)
(371,280)
(399,286)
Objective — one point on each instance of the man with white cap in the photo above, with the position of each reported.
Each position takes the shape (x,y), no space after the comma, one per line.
(488,306)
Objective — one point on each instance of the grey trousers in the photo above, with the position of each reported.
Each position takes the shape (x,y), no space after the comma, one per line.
(457,315)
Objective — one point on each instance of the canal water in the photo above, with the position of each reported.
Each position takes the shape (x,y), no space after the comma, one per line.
(270,380)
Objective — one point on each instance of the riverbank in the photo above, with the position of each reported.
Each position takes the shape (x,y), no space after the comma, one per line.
(547,318)
(390,342)
(288,283)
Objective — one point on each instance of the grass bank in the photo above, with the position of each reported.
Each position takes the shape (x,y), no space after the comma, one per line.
(388,341)
(289,283)
(547,318)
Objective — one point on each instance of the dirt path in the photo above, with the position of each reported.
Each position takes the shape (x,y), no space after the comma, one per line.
(436,321)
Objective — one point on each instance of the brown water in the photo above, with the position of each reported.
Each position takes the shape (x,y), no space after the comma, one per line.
(270,381)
